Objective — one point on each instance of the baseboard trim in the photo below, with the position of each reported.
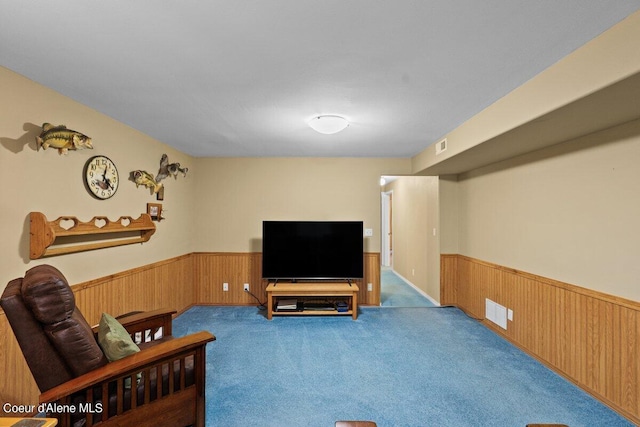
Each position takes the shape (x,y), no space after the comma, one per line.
(420,291)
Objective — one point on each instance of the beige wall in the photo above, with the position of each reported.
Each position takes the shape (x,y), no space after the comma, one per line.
(449,220)
(570,212)
(52,184)
(234,196)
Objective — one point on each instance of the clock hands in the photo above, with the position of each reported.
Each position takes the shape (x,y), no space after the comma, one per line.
(106,180)
(105,183)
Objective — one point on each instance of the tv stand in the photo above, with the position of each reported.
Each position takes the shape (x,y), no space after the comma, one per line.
(347,292)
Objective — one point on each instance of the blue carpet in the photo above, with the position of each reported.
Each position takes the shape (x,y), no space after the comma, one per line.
(395,366)
(395,292)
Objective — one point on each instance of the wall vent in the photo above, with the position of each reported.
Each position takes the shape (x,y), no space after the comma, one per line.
(441,146)
(496,313)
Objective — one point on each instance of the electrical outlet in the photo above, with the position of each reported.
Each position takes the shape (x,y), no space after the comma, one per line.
(246,287)
(225,287)
(370,287)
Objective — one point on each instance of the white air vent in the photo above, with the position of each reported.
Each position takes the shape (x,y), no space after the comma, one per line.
(441,146)
(496,313)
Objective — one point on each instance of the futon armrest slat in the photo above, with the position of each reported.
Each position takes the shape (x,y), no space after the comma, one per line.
(161,318)
(138,322)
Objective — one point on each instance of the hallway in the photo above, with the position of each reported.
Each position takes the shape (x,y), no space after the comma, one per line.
(395,292)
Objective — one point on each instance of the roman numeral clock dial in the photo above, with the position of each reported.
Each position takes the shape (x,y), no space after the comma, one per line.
(101,177)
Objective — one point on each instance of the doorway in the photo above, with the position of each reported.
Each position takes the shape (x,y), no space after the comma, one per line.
(387,228)
(408,214)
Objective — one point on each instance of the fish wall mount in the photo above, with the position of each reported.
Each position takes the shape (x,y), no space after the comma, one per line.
(61,138)
(148,180)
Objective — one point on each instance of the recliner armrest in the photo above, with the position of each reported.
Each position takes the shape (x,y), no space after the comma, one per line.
(130,365)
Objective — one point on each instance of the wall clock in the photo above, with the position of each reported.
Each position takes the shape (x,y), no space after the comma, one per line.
(101,177)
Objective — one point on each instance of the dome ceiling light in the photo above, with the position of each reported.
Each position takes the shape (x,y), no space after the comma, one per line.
(328,124)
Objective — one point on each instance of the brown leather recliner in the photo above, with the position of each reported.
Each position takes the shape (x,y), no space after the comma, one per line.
(71,369)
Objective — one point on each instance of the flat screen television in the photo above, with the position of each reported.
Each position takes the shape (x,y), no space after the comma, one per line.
(293,250)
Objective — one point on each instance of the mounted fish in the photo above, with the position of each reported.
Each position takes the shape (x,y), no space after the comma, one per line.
(62,138)
(141,177)
(167,169)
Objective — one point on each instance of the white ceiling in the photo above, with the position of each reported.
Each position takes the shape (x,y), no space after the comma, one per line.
(242,77)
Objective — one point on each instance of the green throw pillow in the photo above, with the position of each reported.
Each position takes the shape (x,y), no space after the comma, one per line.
(115,341)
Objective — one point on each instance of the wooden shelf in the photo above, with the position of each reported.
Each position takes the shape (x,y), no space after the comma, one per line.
(313,313)
(67,234)
(312,290)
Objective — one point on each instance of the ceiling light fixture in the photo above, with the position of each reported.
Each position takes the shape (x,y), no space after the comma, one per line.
(328,124)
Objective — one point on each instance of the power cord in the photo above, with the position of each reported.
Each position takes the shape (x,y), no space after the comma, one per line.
(261,305)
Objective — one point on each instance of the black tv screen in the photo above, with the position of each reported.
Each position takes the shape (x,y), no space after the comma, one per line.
(294,250)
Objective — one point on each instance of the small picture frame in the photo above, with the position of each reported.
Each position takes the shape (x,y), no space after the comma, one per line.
(155,211)
(160,194)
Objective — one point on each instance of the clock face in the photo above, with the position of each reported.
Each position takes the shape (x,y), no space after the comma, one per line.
(101,177)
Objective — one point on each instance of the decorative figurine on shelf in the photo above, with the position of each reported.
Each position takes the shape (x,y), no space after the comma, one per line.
(141,177)
(62,138)
(167,169)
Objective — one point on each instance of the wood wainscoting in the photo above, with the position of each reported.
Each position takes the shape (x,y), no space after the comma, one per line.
(591,338)
(177,283)
(215,268)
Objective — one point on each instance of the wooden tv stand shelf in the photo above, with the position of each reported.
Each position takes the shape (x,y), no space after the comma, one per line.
(310,291)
